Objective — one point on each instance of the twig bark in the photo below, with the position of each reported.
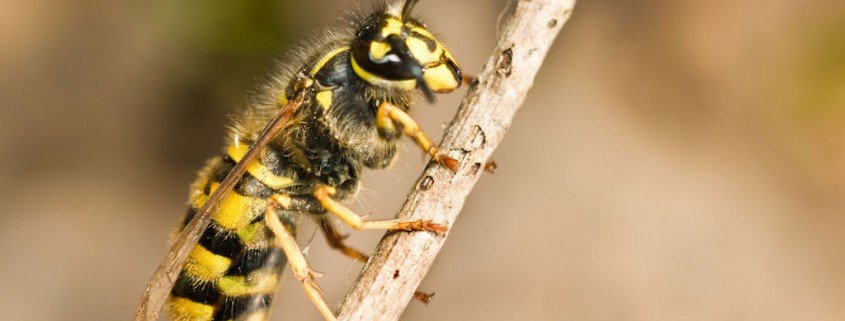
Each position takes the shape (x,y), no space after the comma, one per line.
(402,259)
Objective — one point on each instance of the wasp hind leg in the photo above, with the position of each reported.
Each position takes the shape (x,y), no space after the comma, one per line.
(284,239)
(335,240)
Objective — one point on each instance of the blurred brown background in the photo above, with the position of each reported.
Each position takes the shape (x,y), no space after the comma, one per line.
(676,160)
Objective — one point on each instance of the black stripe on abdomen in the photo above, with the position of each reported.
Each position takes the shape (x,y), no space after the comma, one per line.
(221,242)
(200,292)
(255,259)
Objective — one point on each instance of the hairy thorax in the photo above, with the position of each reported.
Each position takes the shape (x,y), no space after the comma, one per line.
(334,135)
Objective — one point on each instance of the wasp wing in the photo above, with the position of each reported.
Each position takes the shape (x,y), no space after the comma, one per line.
(162,280)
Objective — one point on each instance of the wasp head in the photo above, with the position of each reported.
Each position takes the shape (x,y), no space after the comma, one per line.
(393,50)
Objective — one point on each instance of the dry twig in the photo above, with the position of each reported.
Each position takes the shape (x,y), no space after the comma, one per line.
(402,259)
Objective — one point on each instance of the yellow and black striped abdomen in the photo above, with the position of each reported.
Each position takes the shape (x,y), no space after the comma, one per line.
(233,271)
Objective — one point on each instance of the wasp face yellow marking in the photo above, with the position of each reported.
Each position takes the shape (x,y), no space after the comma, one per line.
(422,31)
(206,266)
(440,79)
(325,98)
(440,72)
(422,52)
(393,26)
(190,310)
(378,49)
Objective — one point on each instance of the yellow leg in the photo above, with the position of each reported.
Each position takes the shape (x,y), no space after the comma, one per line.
(388,114)
(335,240)
(324,194)
(284,240)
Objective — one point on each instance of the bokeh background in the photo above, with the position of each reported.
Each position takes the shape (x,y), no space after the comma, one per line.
(676,160)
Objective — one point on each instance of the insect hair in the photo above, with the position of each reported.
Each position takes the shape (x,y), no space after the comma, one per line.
(265,101)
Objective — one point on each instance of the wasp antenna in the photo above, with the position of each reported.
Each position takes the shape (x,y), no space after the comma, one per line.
(429,95)
(406,9)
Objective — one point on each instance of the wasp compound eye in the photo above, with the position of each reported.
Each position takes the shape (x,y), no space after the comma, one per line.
(381,60)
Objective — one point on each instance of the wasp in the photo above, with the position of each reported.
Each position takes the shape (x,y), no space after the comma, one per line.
(299,150)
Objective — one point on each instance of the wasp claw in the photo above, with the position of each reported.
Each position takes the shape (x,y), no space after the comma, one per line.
(427,225)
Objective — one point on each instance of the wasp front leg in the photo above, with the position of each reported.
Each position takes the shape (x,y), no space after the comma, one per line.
(323,193)
(284,239)
(389,115)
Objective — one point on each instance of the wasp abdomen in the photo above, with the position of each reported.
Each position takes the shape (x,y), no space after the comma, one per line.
(233,271)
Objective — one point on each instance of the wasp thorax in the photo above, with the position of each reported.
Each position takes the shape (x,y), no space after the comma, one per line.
(392,52)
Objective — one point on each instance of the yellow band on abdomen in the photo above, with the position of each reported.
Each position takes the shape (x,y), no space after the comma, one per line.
(185,309)
(258,170)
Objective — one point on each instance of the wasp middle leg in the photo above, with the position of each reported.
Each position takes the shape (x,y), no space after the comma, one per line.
(284,239)
(324,193)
